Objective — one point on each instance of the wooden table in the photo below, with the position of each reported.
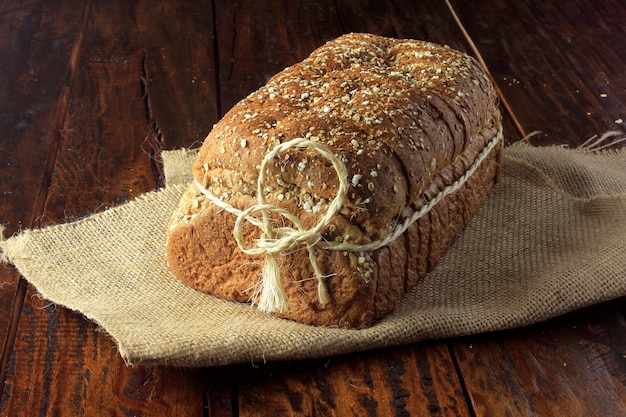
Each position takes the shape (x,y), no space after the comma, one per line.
(91,92)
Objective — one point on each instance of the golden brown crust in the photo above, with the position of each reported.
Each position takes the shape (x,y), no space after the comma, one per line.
(407,118)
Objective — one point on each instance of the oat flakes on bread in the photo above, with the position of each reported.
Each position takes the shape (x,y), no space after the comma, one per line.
(417,129)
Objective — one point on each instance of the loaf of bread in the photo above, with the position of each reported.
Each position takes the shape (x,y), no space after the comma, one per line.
(324,196)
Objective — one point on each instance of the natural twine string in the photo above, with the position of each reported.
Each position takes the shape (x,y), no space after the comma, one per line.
(282,239)
(274,241)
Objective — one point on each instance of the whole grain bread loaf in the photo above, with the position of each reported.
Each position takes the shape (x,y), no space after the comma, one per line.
(414,136)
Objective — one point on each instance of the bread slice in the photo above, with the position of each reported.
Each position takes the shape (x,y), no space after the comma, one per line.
(358,166)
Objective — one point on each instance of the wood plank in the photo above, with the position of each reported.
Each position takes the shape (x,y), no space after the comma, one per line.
(179,78)
(62,363)
(258,39)
(33,92)
(571,366)
(414,380)
(559,64)
(223,391)
(33,81)
(413,20)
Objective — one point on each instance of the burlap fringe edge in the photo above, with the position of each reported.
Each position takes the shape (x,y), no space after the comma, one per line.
(595,144)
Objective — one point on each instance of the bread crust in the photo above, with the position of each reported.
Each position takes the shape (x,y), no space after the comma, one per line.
(407,118)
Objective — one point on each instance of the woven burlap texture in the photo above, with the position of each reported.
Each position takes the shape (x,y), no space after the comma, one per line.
(550,239)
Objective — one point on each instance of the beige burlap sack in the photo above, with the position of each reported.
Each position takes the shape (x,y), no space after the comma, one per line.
(551,238)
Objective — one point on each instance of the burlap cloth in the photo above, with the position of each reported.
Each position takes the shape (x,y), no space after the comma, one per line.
(550,239)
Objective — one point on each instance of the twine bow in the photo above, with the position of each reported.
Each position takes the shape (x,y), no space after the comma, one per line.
(275,240)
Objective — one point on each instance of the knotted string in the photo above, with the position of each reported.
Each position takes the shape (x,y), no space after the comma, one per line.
(274,241)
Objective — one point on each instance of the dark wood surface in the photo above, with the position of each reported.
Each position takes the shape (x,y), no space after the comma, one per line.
(91,92)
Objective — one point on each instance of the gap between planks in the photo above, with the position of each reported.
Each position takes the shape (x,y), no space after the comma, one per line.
(42,195)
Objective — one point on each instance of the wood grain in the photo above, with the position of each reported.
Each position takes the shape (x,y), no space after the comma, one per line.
(529,372)
(413,381)
(63,365)
(96,92)
(62,362)
(33,91)
(34,88)
(179,70)
(429,21)
(570,366)
(559,64)
(223,391)
(258,39)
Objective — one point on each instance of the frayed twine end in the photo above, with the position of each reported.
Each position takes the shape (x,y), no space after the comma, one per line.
(273,297)
(595,143)
(530,135)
